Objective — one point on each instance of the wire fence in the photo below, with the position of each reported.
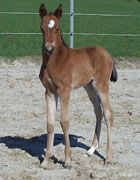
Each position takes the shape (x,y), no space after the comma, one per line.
(75,14)
(75,33)
(81,34)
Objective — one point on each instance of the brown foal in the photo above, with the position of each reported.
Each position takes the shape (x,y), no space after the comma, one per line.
(64,69)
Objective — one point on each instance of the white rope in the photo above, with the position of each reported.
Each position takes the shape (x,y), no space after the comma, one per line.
(82,34)
(25,13)
(76,14)
(9,33)
(125,15)
(94,34)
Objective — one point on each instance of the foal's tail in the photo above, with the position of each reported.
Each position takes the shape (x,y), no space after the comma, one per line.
(114,75)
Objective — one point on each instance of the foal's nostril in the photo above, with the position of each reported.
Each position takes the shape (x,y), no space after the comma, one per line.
(49,49)
(52,50)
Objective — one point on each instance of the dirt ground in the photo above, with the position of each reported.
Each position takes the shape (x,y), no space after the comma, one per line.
(23,128)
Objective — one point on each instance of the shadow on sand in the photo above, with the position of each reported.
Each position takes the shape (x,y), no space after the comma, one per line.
(35,146)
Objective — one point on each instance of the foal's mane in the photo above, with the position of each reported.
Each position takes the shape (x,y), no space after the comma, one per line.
(51,13)
(63,41)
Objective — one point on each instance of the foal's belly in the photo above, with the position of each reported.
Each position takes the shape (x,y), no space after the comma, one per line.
(81,79)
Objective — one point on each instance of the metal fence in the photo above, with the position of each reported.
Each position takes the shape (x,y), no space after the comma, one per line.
(72,33)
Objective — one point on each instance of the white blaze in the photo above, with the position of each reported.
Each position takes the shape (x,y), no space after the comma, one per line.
(51,24)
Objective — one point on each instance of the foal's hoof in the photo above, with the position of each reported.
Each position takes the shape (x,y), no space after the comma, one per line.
(107,162)
(67,167)
(44,164)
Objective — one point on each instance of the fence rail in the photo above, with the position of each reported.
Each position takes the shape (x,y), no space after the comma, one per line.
(82,34)
(75,14)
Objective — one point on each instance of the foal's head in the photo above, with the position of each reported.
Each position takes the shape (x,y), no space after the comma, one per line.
(50,27)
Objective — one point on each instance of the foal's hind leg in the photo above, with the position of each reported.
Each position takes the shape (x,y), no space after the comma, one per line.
(103,90)
(95,99)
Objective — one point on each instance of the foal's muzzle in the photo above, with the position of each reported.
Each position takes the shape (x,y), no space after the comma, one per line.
(49,48)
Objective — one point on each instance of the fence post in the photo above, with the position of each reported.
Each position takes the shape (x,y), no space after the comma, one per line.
(71,23)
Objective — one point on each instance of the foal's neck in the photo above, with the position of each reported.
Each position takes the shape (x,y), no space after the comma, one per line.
(60,44)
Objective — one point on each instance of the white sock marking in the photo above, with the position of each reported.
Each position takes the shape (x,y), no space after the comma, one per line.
(92,150)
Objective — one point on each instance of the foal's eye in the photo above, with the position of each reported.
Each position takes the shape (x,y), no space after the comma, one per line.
(57,30)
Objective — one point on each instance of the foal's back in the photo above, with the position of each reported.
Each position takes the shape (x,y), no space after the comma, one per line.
(90,62)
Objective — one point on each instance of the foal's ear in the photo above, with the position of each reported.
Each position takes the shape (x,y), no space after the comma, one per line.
(42,10)
(58,12)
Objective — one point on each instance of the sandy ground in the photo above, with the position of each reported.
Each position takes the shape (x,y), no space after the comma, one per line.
(23,128)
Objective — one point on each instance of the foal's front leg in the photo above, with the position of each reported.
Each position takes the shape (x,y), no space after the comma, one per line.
(51,100)
(65,96)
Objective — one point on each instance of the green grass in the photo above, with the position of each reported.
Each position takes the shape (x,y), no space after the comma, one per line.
(13,46)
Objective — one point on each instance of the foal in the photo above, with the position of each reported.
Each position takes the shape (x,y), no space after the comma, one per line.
(64,69)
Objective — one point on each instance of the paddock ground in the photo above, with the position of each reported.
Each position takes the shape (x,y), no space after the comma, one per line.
(23,127)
